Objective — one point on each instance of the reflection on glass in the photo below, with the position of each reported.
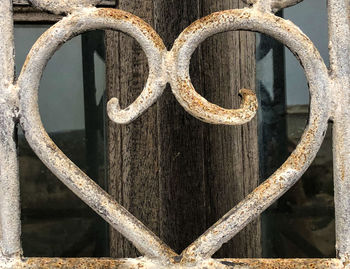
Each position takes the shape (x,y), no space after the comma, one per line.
(301,223)
(54,221)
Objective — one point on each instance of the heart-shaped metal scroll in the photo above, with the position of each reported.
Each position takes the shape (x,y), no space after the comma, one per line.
(176,62)
(28,83)
(316,72)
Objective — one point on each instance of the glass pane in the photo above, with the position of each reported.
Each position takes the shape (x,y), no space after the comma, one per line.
(55,221)
(301,223)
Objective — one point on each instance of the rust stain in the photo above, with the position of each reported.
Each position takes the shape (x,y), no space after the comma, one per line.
(284,263)
(206,111)
(80,263)
(146,29)
(102,203)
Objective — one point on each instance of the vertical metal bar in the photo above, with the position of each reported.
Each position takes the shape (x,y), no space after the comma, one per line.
(339,43)
(6,35)
(89,43)
(90,104)
(9,183)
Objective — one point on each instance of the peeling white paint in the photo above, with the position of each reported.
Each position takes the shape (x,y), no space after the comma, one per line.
(330,99)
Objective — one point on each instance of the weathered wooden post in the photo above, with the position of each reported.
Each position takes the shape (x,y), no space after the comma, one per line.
(175,173)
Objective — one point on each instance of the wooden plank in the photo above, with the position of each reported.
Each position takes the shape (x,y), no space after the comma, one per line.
(133,148)
(182,171)
(153,171)
(231,155)
(175,173)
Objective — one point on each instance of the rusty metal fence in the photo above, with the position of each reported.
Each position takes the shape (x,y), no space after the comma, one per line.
(330,100)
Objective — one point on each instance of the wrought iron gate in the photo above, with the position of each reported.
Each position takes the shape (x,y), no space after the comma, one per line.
(330,100)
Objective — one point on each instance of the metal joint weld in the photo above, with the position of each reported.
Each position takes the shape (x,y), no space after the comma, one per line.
(271,5)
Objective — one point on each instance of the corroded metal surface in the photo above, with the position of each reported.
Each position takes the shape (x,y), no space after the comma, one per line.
(63,6)
(9,182)
(339,45)
(329,91)
(300,159)
(28,83)
(273,5)
(83,263)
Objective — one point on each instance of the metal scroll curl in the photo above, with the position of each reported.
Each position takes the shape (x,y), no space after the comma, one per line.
(28,83)
(284,178)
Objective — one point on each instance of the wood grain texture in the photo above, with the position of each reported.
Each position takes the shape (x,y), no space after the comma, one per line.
(133,148)
(182,174)
(231,155)
(175,173)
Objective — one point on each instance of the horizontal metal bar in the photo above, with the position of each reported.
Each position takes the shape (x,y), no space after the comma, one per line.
(272,5)
(27,3)
(78,263)
(24,12)
(27,14)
